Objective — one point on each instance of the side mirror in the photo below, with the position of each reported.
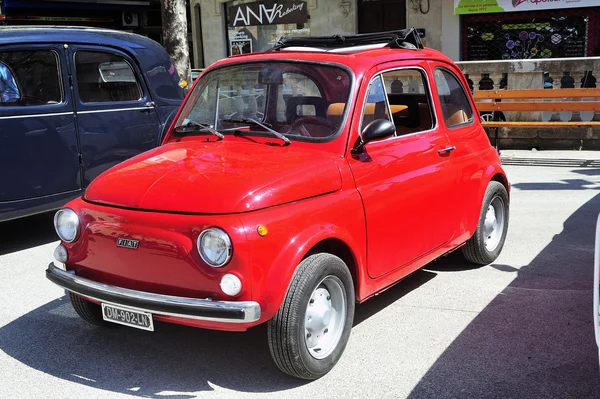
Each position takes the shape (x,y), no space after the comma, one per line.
(378,129)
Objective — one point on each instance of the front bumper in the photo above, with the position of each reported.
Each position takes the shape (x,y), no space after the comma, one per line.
(166,305)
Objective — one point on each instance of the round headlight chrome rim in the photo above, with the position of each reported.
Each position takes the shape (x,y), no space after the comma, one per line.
(72,215)
(226,240)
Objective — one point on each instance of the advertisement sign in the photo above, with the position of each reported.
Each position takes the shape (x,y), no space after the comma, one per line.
(263,13)
(547,37)
(493,6)
(241,46)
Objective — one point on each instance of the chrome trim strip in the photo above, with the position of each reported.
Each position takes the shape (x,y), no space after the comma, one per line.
(115,110)
(79,285)
(35,115)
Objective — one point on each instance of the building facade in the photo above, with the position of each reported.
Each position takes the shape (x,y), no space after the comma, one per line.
(138,16)
(528,29)
(465,30)
(222,28)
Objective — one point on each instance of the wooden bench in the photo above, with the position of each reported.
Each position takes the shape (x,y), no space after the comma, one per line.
(532,100)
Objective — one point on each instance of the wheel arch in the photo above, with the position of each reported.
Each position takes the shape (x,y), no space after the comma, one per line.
(339,248)
(501,178)
(492,173)
(330,239)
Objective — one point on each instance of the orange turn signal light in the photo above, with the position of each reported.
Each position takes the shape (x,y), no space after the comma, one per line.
(262,230)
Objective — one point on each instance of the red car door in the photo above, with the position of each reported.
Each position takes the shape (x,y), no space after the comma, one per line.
(404,181)
(470,143)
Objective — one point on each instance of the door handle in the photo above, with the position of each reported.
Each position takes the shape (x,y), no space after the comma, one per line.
(148,106)
(446,150)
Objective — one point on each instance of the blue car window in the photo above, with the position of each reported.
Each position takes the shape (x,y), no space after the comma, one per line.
(30,78)
(105,77)
(9,92)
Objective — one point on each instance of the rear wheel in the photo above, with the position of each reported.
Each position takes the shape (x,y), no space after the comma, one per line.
(485,245)
(309,332)
(88,311)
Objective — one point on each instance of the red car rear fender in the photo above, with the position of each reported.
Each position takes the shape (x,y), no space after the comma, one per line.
(492,172)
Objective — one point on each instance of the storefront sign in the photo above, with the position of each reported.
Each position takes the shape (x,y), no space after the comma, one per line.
(268,13)
(492,6)
(59,19)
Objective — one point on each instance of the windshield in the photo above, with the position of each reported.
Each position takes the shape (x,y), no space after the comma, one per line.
(303,101)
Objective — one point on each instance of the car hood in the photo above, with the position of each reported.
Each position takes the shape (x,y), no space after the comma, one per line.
(216,177)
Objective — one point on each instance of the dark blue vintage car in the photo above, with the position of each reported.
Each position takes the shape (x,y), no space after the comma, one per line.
(74,102)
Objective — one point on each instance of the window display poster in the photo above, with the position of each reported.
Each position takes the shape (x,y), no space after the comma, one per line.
(493,6)
(525,39)
(240,46)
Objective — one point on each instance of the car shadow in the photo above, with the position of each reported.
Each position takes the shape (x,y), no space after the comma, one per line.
(567,184)
(178,361)
(17,235)
(536,338)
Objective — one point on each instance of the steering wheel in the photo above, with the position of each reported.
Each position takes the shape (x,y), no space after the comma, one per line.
(300,125)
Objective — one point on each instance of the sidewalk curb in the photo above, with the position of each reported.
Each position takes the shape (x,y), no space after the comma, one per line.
(578,163)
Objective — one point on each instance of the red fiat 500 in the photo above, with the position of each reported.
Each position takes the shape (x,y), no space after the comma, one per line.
(293,184)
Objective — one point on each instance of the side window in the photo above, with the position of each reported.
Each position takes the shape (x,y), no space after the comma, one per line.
(375,104)
(455,105)
(409,100)
(299,96)
(30,78)
(105,77)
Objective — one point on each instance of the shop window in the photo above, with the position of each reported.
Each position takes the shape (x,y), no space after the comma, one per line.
(29,78)
(105,77)
(455,105)
(257,26)
(530,35)
(409,101)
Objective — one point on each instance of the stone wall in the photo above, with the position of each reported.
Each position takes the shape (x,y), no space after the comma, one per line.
(537,74)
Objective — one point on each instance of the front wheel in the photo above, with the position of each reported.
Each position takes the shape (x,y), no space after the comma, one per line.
(309,332)
(88,311)
(485,245)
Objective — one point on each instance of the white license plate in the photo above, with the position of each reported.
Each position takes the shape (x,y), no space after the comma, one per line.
(127,317)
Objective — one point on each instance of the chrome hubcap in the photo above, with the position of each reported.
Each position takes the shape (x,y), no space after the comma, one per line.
(493,226)
(325,317)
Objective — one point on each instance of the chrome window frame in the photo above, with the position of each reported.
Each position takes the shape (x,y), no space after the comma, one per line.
(428,92)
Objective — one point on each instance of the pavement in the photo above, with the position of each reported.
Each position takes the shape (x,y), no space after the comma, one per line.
(519,328)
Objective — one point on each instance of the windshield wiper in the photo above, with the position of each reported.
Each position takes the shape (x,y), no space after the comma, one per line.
(196,127)
(265,126)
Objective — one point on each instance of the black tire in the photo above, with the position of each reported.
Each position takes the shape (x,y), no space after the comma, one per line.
(475,250)
(285,330)
(88,311)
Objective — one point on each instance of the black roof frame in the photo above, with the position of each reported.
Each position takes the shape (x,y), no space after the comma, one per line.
(405,39)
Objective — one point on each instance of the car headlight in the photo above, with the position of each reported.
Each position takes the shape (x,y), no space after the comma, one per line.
(66,223)
(214,246)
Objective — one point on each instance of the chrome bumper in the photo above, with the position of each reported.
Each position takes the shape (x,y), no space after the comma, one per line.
(166,305)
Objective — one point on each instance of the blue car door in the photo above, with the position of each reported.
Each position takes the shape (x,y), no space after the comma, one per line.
(116,117)
(39,156)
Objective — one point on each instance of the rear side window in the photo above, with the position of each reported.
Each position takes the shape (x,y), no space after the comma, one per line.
(105,77)
(410,104)
(29,78)
(455,105)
